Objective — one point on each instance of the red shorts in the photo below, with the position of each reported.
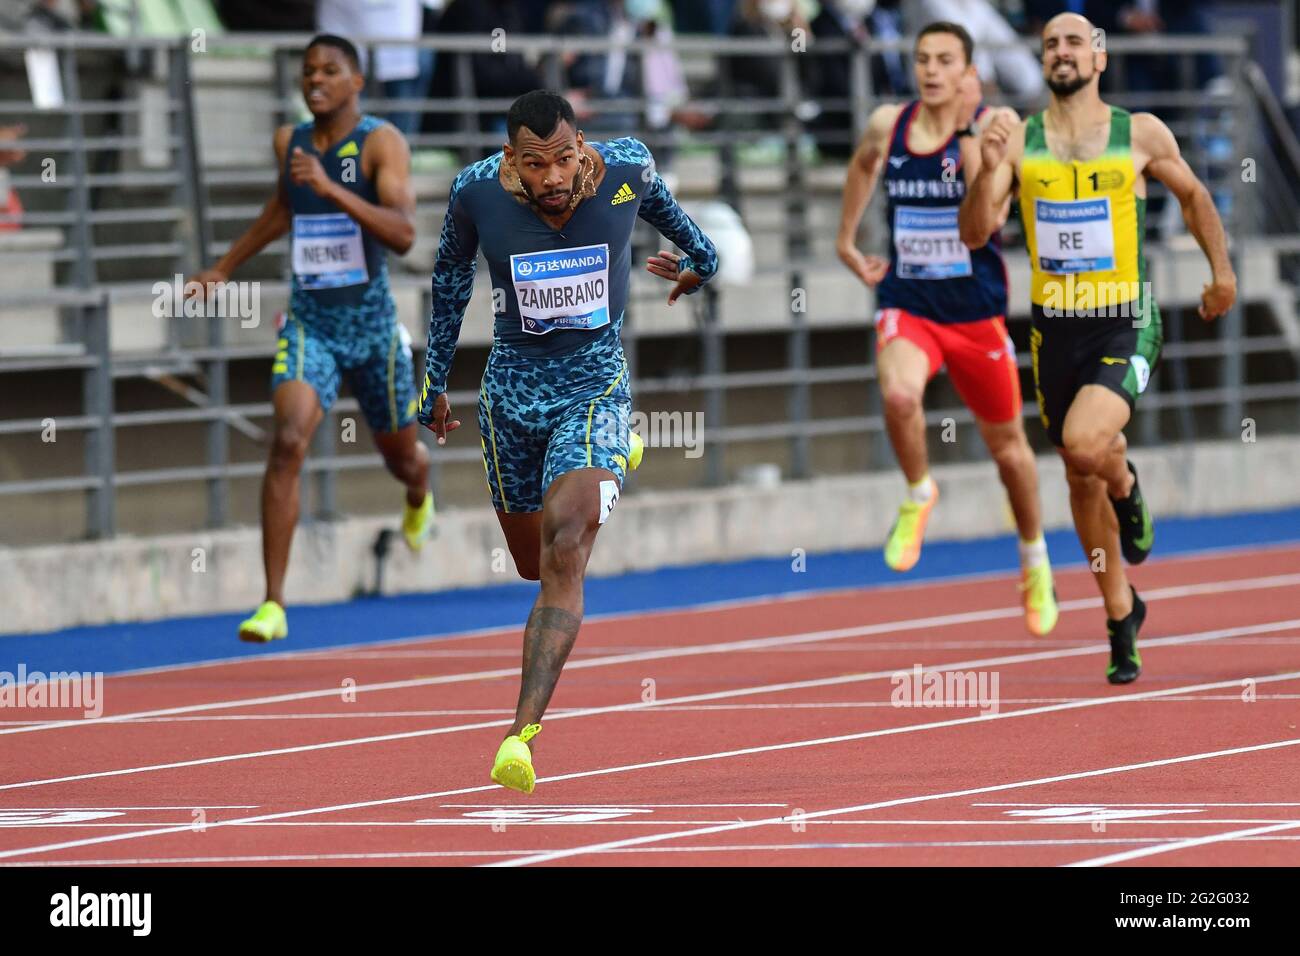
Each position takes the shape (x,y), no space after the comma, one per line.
(980,357)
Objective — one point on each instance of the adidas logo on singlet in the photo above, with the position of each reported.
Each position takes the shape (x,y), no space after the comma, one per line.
(348,149)
(623,195)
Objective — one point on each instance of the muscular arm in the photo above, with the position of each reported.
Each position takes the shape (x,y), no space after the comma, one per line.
(273,221)
(660,209)
(988,194)
(1164,161)
(860,184)
(392,221)
(453,284)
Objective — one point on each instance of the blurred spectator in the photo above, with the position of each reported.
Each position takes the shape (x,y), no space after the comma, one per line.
(53,15)
(703,16)
(10,155)
(760,76)
(258,15)
(533,14)
(504,75)
(1149,18)
(403,72)
(598,76)
(1015,67)
(657,76)
(1038,12)
(858,20)
(11,210)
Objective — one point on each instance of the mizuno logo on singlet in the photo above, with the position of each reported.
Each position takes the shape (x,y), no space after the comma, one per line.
(898,161)
(348,149)
(623,195)
(1107,360)
(1048,182)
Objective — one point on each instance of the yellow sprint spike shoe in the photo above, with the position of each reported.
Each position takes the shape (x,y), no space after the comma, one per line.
(636,448)
(903,549)
(1039,597)
(417,523)
(514,764)
(268,623)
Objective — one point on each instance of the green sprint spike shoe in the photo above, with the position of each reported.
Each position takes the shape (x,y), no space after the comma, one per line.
(1137,531)
(1125,662)
(514,764)
(268,623)
(417,523)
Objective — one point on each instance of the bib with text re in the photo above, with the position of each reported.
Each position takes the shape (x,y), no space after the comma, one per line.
(1074,236)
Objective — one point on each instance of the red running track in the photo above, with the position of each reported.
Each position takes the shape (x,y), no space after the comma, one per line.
(766,733)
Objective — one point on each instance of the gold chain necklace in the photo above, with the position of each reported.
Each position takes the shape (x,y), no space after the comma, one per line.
(584,186)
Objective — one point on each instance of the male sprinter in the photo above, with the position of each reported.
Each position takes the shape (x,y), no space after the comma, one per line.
(941,304)
(345,194)
(1082,167)
(553,216)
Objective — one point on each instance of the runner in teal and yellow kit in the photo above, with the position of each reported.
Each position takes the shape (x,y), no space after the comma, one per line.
(346,197)
(553,216)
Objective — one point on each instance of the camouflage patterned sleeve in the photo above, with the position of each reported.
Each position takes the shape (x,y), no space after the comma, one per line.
(453,284)
(660,209)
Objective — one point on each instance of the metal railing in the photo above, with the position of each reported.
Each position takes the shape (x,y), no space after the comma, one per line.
(196,204)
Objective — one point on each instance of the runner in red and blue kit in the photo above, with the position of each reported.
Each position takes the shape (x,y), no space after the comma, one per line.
(941,304)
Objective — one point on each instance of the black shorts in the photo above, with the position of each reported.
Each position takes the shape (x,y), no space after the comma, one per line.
(1118,353)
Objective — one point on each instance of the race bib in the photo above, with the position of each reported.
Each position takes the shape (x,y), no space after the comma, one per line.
(1074,236)
(327,251)
(562,289)
(928,243)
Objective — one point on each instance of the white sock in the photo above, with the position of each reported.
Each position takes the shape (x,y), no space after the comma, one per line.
(1033,554)
(922,491)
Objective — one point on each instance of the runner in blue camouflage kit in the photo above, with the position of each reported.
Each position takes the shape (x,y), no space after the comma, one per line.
(345,195)
(553,216)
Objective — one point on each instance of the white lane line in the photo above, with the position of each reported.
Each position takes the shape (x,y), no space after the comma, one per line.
(588,806)
(1289,640)
(1185,844)
(640,705)
(724,848)
(885,627)
(1063,804)
(389,801)
(670,708)
(550,856)
(489,822)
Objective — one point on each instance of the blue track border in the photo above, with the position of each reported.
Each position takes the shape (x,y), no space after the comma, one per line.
(117,648)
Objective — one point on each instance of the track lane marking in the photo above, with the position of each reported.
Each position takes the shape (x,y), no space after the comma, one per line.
(807,637)
(1184,844)
(1194,638)
(390,801)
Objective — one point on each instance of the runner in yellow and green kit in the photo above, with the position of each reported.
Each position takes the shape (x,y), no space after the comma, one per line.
(1082,167)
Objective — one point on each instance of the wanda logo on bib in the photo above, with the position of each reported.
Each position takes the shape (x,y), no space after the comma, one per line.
(327,251)
(562,289)
(929,244)
(1074,236)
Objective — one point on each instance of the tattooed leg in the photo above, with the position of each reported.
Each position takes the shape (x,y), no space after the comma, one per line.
(570,520)
(548,638)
